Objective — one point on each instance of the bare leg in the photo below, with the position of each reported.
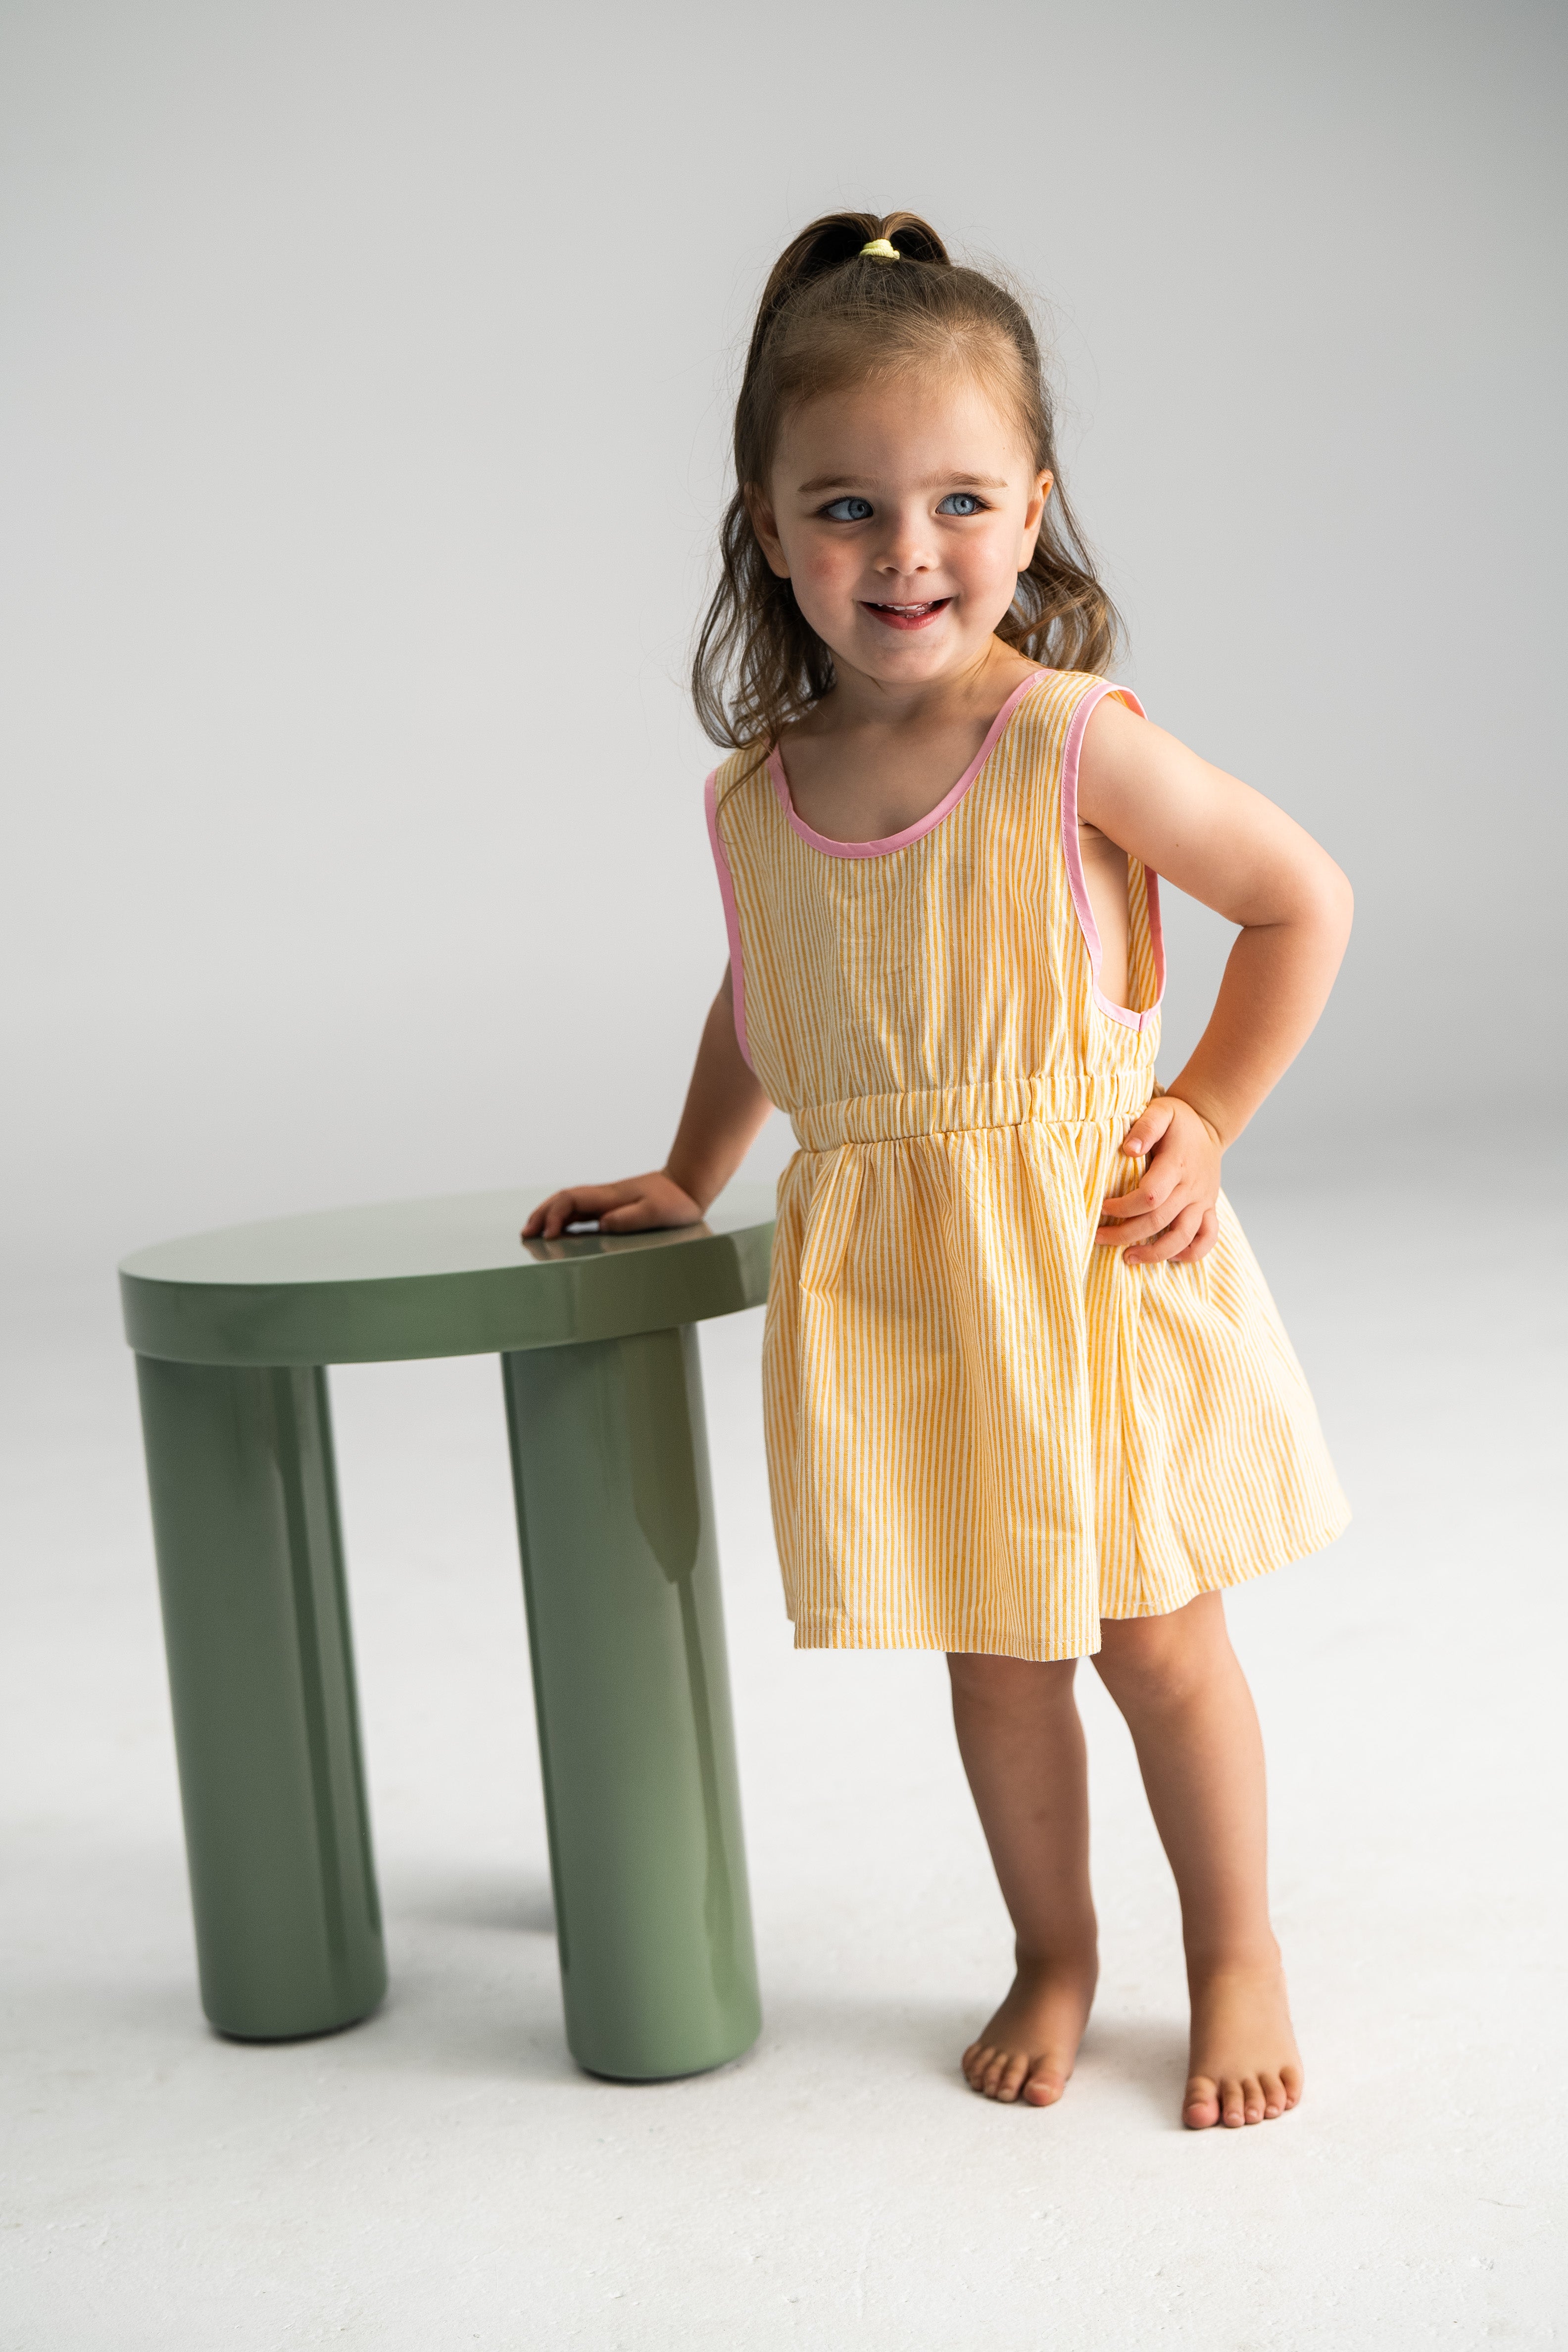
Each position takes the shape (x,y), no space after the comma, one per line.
(1021,1744)
(1180,1685)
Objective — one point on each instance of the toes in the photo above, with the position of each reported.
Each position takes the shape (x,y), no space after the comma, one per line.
(1009,2075)
(996,2073)
(1200,2108)
(991,2064)
(1235,2100)
(1044,2087)
(1010,2081)
(976,2059)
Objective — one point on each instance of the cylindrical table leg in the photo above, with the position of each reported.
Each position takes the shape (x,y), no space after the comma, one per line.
(631,1687)
(250,1565)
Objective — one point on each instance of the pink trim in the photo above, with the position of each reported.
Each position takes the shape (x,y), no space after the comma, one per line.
(912,833)
(732,915)
(1072,852)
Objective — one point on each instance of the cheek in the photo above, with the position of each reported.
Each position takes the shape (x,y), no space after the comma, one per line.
(826,573)
(989,557)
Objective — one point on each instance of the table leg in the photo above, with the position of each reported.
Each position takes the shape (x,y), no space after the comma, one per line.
(256,1621)
(631,1689)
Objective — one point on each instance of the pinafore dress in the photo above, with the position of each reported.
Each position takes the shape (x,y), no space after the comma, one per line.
(984,1432)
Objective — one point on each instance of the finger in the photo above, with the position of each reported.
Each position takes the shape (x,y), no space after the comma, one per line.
(1202,1242)
(1130,1237)
(1128,1230)
(576,1205)
(538,1218)
(589,1204)
(1146,1130)
(1162,1177)
(1148,1201)
(1118,1208)
(1138,1237)
(1175,1237)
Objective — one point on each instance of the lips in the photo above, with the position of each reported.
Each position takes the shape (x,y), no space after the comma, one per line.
(908,616)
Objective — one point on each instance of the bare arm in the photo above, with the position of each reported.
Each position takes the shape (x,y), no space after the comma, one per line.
(1224,845)
(724,1108)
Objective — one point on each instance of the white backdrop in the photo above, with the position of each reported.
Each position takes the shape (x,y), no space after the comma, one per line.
(366,375)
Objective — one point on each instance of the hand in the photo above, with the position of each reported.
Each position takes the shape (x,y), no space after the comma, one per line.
(1170,1214)
(632,1206)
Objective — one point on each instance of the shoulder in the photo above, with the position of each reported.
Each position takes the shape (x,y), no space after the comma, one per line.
(1126,765)
(1143,786)
(1053,721)
(1116,735)
(1089,691)
(1055,696)
(1105,722)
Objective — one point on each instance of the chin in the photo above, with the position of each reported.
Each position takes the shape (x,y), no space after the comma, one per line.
(926,649)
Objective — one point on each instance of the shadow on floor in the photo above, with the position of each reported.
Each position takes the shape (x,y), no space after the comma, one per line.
(444,1898)
(901,2039)
(1148,2055)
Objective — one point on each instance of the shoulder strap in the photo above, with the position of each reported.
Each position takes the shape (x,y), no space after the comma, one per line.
(722,775)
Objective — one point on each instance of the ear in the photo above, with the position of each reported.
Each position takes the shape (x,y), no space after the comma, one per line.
(1034,515)
(759,506)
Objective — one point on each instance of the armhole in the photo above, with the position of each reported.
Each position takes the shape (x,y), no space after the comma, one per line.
(732,915)
(1073,854)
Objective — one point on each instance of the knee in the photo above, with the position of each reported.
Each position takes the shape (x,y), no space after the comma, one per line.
(1002,1685)
(1160,1661)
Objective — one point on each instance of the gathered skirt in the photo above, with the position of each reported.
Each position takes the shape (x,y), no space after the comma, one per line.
(986,1434)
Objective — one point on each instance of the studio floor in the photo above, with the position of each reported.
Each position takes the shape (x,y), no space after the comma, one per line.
(443,2176)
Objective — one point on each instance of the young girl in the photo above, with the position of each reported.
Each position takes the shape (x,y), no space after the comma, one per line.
(1027,1398)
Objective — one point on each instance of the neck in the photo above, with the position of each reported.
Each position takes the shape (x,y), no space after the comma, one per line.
(978,687)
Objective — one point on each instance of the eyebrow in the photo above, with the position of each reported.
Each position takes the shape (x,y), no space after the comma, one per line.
(937,481)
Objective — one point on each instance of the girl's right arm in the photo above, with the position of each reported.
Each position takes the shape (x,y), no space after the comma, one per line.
(724,1108)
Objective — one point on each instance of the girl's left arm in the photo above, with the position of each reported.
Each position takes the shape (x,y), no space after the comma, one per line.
(1222,843)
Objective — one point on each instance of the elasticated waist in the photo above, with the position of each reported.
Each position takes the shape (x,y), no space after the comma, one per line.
(950,1110)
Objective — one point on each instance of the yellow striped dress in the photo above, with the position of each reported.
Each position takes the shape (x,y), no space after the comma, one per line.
(984,1432)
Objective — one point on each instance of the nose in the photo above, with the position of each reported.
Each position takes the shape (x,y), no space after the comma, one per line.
(906,551)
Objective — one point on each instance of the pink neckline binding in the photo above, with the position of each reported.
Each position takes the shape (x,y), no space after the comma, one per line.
(912,833)
(1072,853)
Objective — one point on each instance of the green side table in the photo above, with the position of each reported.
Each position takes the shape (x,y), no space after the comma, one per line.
(233,1332)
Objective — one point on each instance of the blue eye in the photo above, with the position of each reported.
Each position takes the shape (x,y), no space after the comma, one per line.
(961,503)
(848,511)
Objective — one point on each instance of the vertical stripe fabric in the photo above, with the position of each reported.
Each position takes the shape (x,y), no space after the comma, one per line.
(983,1432)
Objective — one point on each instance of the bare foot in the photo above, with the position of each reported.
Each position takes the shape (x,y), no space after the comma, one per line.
(1246,2067)
(1027,2049)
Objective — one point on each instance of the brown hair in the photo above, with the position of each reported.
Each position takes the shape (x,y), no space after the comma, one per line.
(831,316)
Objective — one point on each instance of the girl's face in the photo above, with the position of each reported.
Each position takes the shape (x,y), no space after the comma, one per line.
(902,513)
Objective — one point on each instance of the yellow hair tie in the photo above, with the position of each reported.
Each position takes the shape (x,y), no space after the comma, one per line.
(881,250)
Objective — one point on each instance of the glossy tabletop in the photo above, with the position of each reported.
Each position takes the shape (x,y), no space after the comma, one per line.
(400,1279)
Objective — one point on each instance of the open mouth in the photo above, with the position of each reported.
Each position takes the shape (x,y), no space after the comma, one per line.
(907,616)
